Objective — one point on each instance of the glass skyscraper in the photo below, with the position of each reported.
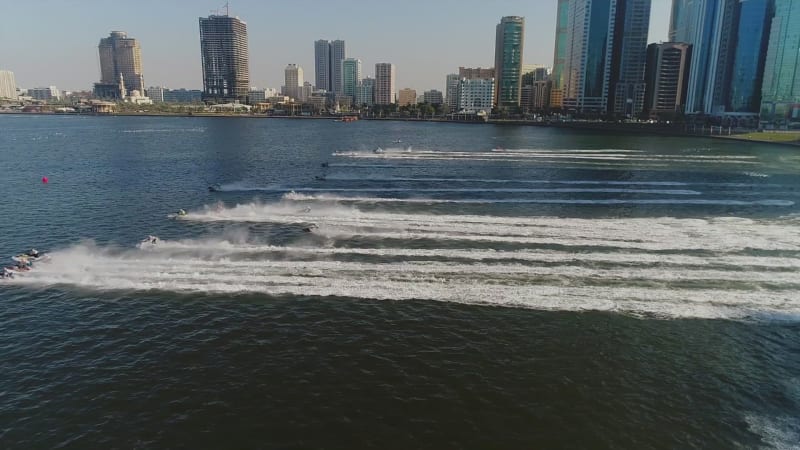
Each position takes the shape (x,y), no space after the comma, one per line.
(752,42)
(629,57)
(587,65)
(698,22)
(508,61)
(560,55)
(351,75)
(780,101)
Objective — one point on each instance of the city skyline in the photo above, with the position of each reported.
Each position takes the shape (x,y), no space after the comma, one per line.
(422,58)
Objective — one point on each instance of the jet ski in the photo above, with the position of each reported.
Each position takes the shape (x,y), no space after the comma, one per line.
(215,188)
(149,240)
(20,267)
(310,228)
(177,215)
(378,150)
(30,256)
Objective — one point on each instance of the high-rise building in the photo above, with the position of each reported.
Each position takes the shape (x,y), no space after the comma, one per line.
(604,57)
(718,90)
(406,97)
(750,56)
(385,75)
(451,91)
(322,64)
(338,55)
(351,75)
(560,54)
(667,77)
(587,65)
(510,37)
(433,97)
(729,46)
(8,85)
(708,26)
(328,57)
(223,48)
(536,87)
(293,79)
(629,57)
(365,92)
(121,56)
(780,92)
(475,95)
(475,73)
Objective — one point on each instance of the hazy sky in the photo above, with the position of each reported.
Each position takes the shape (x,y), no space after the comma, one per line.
(54,42)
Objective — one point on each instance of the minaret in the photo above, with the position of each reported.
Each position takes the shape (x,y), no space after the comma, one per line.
(122,92)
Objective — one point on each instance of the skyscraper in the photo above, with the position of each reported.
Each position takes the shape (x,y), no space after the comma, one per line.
(629,57)
(223,48)
(338,55)
(8,86)
(322,65)
(587,64)
(509,40)
(780,94)
(729,40)
(293,79)
(328,58)
(560,55)
(351,75)
(694,22)
(384,83)
(750,55)
(121,56)
(667,76)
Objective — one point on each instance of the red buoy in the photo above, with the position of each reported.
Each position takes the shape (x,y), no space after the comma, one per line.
(45,180)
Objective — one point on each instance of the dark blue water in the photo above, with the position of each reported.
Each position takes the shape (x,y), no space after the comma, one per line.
(468,286)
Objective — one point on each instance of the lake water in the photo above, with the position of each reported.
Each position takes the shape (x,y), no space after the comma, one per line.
(465,286)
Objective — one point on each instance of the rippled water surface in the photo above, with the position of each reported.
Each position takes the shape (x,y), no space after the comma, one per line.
(395,285)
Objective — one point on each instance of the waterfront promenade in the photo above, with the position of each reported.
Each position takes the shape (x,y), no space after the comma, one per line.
(639,128)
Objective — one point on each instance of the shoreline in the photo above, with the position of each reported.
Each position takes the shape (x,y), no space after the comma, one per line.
(598,127)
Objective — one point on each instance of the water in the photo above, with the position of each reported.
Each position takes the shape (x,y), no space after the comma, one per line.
(468,287)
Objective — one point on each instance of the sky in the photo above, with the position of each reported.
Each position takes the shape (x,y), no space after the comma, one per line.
(54,42)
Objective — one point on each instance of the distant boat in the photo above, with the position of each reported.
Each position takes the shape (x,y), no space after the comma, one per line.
(398,141)
(378,150)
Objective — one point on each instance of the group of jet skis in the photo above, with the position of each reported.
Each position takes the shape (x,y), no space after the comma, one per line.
(23,262)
